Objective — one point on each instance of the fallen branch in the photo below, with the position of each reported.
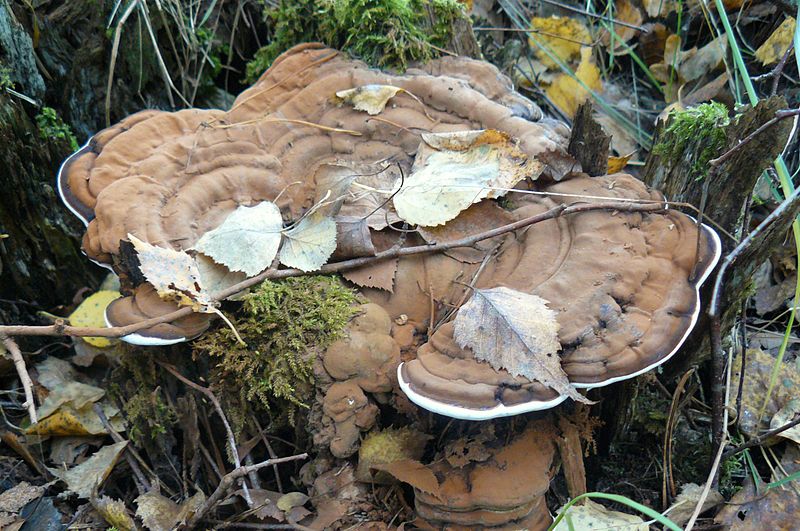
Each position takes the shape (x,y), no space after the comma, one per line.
(227,482)
(19,363)
(63,329)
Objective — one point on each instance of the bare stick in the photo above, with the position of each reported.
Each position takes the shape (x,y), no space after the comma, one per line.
(63,329)
(761,438)
(142,484)
(24,377)
(227,482)
(231,439)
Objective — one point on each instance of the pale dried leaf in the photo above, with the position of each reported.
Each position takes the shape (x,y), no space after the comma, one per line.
(514,331)
(54,372)
(353,238)
(290,500)
(174,274)
(784,416)
(684,505)
(114,513)
(412,472)
(309,243)
(454,170)
(624,11)
(18,496)
(89,475)
(247,240)
(216,277)
(776,45)
(705,60)
(159,513)
(369,98)
(75,394)
(592,515)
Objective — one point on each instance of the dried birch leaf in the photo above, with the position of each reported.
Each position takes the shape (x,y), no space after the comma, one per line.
(592,515)
(86,477)
(162,514)
(174,274)
(114,513)
(562,37)
(454,170)
(310,243)
(216,277)
(247,240)
(514,331)
(369,98)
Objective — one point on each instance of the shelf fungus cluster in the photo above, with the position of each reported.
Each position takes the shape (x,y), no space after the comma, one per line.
(325,159)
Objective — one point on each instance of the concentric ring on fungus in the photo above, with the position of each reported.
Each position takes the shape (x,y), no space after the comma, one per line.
(618,282)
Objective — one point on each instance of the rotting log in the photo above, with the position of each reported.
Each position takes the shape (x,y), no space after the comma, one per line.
(727,200)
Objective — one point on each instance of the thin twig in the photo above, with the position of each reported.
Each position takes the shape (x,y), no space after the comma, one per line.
(142,485)
(231,439)
(63,329)
(228,481)
(19,363)
(761,438)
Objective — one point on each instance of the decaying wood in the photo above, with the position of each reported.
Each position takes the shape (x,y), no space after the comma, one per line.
(727,198)
(588,142)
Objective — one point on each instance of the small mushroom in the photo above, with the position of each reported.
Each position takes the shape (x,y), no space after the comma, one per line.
(146,304)
(504,490)
(351,412)
(624,286)
(368,355)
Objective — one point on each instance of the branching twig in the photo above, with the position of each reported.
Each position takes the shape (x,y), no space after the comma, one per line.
(227,482)
(19,363)
(231,439)
(62,329)
(761,438)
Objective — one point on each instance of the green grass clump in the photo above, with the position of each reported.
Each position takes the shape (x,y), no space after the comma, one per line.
(384,33)
(52,127)
(701,128)
(285,324)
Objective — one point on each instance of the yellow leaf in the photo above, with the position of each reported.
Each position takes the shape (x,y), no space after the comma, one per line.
(776,45)
(369,98)
(567,93)
(624,11)
(616,164)
(659,8)
(91,313)
(561,36)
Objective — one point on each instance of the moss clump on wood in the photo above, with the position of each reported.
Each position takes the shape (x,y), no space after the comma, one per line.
(137,386)
(284,324)
(52,127)
(385,33)
(702,126)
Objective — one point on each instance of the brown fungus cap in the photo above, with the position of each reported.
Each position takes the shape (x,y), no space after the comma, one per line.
(146,304)
(504,490)
(624,287)
(170,177)
(367,356)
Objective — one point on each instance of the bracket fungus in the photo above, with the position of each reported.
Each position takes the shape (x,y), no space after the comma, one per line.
(322,158)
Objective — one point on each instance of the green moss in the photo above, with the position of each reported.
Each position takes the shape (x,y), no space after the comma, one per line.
(284,323)
(700,128)
(52,127)
(385,33)
(5,78)
(138,387)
